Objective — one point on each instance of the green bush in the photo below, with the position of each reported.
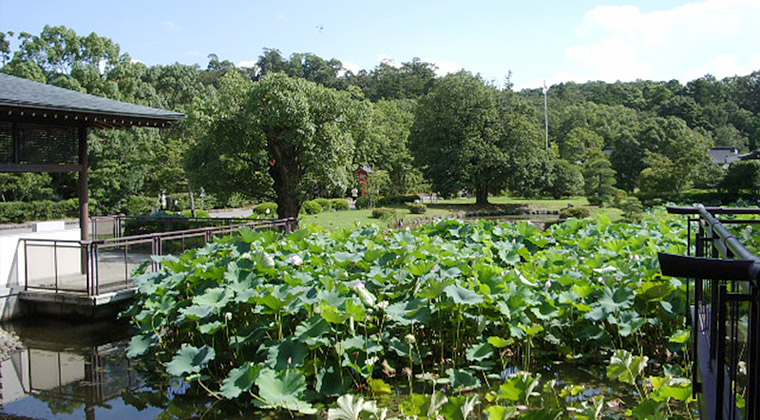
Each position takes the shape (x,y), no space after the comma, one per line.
(384,213)
(632,208)
(25,211)
(139,204)
(576,212)
(338,204)
(198,213)
(325,203)
(416,208)
(392,200)
(363,202)
(266,209)
(311,207)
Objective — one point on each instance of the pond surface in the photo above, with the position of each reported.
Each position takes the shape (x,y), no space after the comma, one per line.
(70,371)
(81,371)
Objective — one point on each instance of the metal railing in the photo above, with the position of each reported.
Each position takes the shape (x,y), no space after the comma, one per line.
(105,265)
(116,226)
(724,306)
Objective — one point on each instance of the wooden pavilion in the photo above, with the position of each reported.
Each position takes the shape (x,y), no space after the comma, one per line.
(43,128)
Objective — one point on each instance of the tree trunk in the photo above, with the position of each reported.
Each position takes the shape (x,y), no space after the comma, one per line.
(481,195)
(286,176)
(192,200)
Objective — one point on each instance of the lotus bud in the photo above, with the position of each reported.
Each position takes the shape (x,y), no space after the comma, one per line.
(410,339)
(366,297)
(228,316)
(296,260)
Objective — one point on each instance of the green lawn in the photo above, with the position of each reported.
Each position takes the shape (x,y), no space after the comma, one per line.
(351,218)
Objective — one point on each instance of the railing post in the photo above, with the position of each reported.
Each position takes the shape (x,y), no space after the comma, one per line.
(719,360)
(753,367)
(26,266)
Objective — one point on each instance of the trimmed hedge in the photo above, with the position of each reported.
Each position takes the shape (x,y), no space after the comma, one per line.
(392,200)
(576,212)
(25,211)
(325,203)
(384,213)
(139,204)
(363,202)
(261,210)
(416,208)
(311,207)
(338,204)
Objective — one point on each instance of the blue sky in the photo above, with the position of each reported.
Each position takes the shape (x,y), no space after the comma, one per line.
(548,40)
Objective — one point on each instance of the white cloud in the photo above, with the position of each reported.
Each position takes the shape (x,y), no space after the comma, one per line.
(247,63)
(282,17)
(444,67)
(171,25)
(134,60)
(624,43)
(349,66)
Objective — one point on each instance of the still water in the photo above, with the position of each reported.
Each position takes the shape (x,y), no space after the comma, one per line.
(71,371)
(81,371)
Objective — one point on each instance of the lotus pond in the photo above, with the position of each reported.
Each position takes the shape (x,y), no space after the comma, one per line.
(452,320)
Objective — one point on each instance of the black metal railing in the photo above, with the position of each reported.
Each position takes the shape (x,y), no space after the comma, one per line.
(724,305)
(105,265)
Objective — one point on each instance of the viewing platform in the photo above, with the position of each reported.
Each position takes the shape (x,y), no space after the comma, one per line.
(51,273)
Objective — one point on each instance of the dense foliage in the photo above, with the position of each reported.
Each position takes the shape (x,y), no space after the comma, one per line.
(285,320)
(654,134)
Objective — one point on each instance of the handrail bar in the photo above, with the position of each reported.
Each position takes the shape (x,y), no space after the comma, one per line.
(728,238)
(271,222)
(711,210)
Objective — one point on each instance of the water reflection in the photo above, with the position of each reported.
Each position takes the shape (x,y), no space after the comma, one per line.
(71,371)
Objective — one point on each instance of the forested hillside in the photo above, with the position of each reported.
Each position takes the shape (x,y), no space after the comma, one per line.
(300,124)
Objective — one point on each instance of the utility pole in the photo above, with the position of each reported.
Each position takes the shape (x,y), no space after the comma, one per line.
(546,116)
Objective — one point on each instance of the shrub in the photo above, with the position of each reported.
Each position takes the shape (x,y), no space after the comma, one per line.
(363,202)
(391,200)
(325,203)
(266,209)
(339,204)
(139,204)
(311,207)
(384,213)
(416,208)
(632,209)
(198,213)
(24,211)
(576,212)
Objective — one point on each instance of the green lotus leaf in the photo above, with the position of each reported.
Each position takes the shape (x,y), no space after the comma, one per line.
(286,354)
(210,328)
(479,352)
(462,378)
(197,312)
(283,389)
(240,380)
(462,296)
(311,329)
(190,359)
(497,412)
(139,344)
(215,297)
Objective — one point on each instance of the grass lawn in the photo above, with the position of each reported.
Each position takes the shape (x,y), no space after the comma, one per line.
(350,218)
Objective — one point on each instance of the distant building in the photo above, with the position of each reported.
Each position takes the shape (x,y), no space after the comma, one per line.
(724,155)
(750,156)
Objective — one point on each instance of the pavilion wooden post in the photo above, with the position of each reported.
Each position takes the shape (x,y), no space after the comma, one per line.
(84,194)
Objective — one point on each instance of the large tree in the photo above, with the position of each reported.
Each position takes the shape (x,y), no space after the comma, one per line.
(467,135)
(295,131)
